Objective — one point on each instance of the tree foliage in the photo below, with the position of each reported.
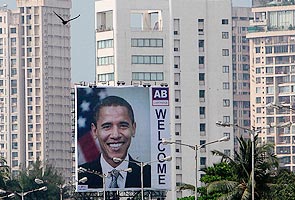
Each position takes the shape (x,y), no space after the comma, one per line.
(238,185)
(25,181)
(4,173)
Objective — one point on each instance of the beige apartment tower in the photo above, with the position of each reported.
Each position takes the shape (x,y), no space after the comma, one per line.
(35,71)
(272,71)
(185,44)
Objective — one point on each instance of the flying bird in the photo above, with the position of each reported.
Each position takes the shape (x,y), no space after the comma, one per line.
(64,22)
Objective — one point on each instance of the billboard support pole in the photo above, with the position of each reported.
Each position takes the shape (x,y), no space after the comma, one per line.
(141,180)
(104,186)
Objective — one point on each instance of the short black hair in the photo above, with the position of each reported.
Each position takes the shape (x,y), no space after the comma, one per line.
(113,101)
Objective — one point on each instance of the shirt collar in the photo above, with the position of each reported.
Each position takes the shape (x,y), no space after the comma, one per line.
(106,168)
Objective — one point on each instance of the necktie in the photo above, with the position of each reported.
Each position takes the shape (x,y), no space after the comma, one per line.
(114,175)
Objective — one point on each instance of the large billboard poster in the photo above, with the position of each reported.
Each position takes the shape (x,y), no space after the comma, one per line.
(118,138)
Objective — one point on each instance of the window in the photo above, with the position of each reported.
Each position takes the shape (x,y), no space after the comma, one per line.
(202,110)
(14,145)
(13,41)
(224,21)
(14,154)
(13,118)
(225,85)
(226,119)
(202,160)
(225,35)
(257,49)
(202,127)
(258,99)
(226,135)
(258,70)
(226,102)
(201,76)
(201,93)
(13,83)
(225,69)
(13,91)
(201,60)
(268,49)
(225,52)
(201,43)
(227,152)
(13,30)
(15,164)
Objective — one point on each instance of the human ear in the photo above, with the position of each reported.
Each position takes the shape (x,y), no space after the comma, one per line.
(133,129)
(93,130)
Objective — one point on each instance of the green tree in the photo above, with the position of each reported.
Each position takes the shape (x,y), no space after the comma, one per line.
(283,186)
(239,187)
(4,175)
(47,173)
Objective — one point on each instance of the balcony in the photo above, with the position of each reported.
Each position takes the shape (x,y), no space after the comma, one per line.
(253,29)
(258,22)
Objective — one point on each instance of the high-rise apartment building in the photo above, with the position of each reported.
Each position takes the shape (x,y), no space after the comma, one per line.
(272,71)
(185,44)
(241,70)
(35,75)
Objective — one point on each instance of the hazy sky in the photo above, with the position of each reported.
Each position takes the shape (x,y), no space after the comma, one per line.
(83,37)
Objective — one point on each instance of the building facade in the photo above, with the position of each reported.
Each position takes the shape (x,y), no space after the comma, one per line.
(35,85)
(272,57)
(173,42)
(241,70)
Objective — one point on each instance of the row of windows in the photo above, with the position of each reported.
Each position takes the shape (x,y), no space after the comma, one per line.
(276,49)
(147,59)
(147,76)
(105,44)
(146,42)
(137,42)
(106,77)
(108,60)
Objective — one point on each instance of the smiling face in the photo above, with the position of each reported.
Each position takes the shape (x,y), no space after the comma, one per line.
(114,130)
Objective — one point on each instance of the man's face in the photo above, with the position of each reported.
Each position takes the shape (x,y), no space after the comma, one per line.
(114,131)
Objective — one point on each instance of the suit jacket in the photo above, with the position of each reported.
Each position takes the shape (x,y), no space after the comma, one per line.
(133,179)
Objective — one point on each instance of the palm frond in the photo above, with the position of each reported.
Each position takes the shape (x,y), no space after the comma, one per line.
(185,186)
(221,186)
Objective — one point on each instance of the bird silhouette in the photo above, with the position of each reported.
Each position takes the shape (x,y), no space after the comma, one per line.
(64,22)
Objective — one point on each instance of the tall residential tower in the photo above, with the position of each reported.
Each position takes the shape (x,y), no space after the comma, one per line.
(272,72)
(35,71)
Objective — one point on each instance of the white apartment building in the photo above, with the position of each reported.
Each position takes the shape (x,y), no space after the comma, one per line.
(272,71)
(186,44)
(35,77)
(241,70)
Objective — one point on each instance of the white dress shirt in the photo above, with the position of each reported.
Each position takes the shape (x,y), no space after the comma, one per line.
(107,168)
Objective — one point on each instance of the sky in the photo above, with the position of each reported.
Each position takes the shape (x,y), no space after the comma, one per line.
(83,37)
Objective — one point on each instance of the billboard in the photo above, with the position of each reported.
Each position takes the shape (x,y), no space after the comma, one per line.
(118,138)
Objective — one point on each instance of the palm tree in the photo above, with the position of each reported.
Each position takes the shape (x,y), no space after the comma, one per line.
(240,188)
